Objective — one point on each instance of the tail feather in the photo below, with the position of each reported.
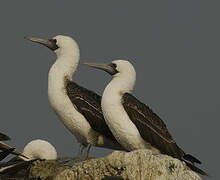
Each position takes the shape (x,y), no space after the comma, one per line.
(196,169)
(13,167)
(191,158)
(5,153)
(4,137)
(4,146)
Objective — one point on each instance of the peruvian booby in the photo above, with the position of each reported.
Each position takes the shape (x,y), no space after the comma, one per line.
(135,125)
(19,165)
(78,108)
(39,149)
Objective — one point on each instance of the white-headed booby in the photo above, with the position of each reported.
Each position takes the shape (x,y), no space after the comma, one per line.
(78,108)
(39,149)
(34,150)
(134,124)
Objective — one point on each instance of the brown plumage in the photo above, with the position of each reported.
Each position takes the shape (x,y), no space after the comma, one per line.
(150,126)
(88,103)
(154,131)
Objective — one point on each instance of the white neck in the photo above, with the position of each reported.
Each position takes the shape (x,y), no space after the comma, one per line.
(116,117)
(64,67)
(120,84)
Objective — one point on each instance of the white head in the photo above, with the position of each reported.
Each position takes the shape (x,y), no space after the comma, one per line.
(123,72)
(39,149)
(66,45)
(123,68)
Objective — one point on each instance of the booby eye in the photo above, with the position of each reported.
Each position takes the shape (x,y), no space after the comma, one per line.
(113,65)
(53,40)
(53,46)
(114,68)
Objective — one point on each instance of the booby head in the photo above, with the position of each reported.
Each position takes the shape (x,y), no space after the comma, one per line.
(123,72)
(59,44)
(115,68)
(39,149)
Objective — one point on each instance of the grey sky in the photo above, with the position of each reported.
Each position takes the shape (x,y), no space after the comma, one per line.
(174,46)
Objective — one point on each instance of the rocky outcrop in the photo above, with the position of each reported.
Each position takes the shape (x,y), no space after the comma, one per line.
(135,165)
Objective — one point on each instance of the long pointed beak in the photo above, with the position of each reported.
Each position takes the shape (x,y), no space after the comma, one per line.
(50,43)
(105,67)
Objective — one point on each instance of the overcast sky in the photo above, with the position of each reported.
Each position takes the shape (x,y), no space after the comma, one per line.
(174,46)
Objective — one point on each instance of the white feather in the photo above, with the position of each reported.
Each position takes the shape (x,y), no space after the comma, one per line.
(39,149)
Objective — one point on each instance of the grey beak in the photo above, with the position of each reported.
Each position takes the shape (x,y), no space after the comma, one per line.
(50,43)
(109,68)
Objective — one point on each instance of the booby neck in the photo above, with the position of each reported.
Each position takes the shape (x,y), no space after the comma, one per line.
(122,82)
(62,70)
(115,116)
(66,62)
(60,75)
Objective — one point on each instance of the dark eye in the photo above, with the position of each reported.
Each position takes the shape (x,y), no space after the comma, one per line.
(113,65)
(53,41)
(53,45)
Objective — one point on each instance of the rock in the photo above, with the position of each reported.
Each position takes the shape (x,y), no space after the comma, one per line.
(135,165)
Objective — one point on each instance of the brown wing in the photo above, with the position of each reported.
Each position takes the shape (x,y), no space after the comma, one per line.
(88,103)
(150,126)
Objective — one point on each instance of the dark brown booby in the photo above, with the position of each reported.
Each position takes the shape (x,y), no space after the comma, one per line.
(133,123)
(78,108)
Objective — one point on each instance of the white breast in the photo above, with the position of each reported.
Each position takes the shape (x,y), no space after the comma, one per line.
(74,121)
(119,122)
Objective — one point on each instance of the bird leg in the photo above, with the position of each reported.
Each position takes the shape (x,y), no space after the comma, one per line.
(79,154)
(83,152)
(87,150)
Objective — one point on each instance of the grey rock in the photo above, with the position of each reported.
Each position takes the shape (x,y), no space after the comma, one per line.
(135,165)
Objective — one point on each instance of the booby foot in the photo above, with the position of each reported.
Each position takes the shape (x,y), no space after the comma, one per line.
(83,152)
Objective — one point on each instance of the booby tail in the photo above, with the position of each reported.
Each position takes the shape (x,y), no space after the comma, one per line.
(5,153)
(196,169)
(4,137)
